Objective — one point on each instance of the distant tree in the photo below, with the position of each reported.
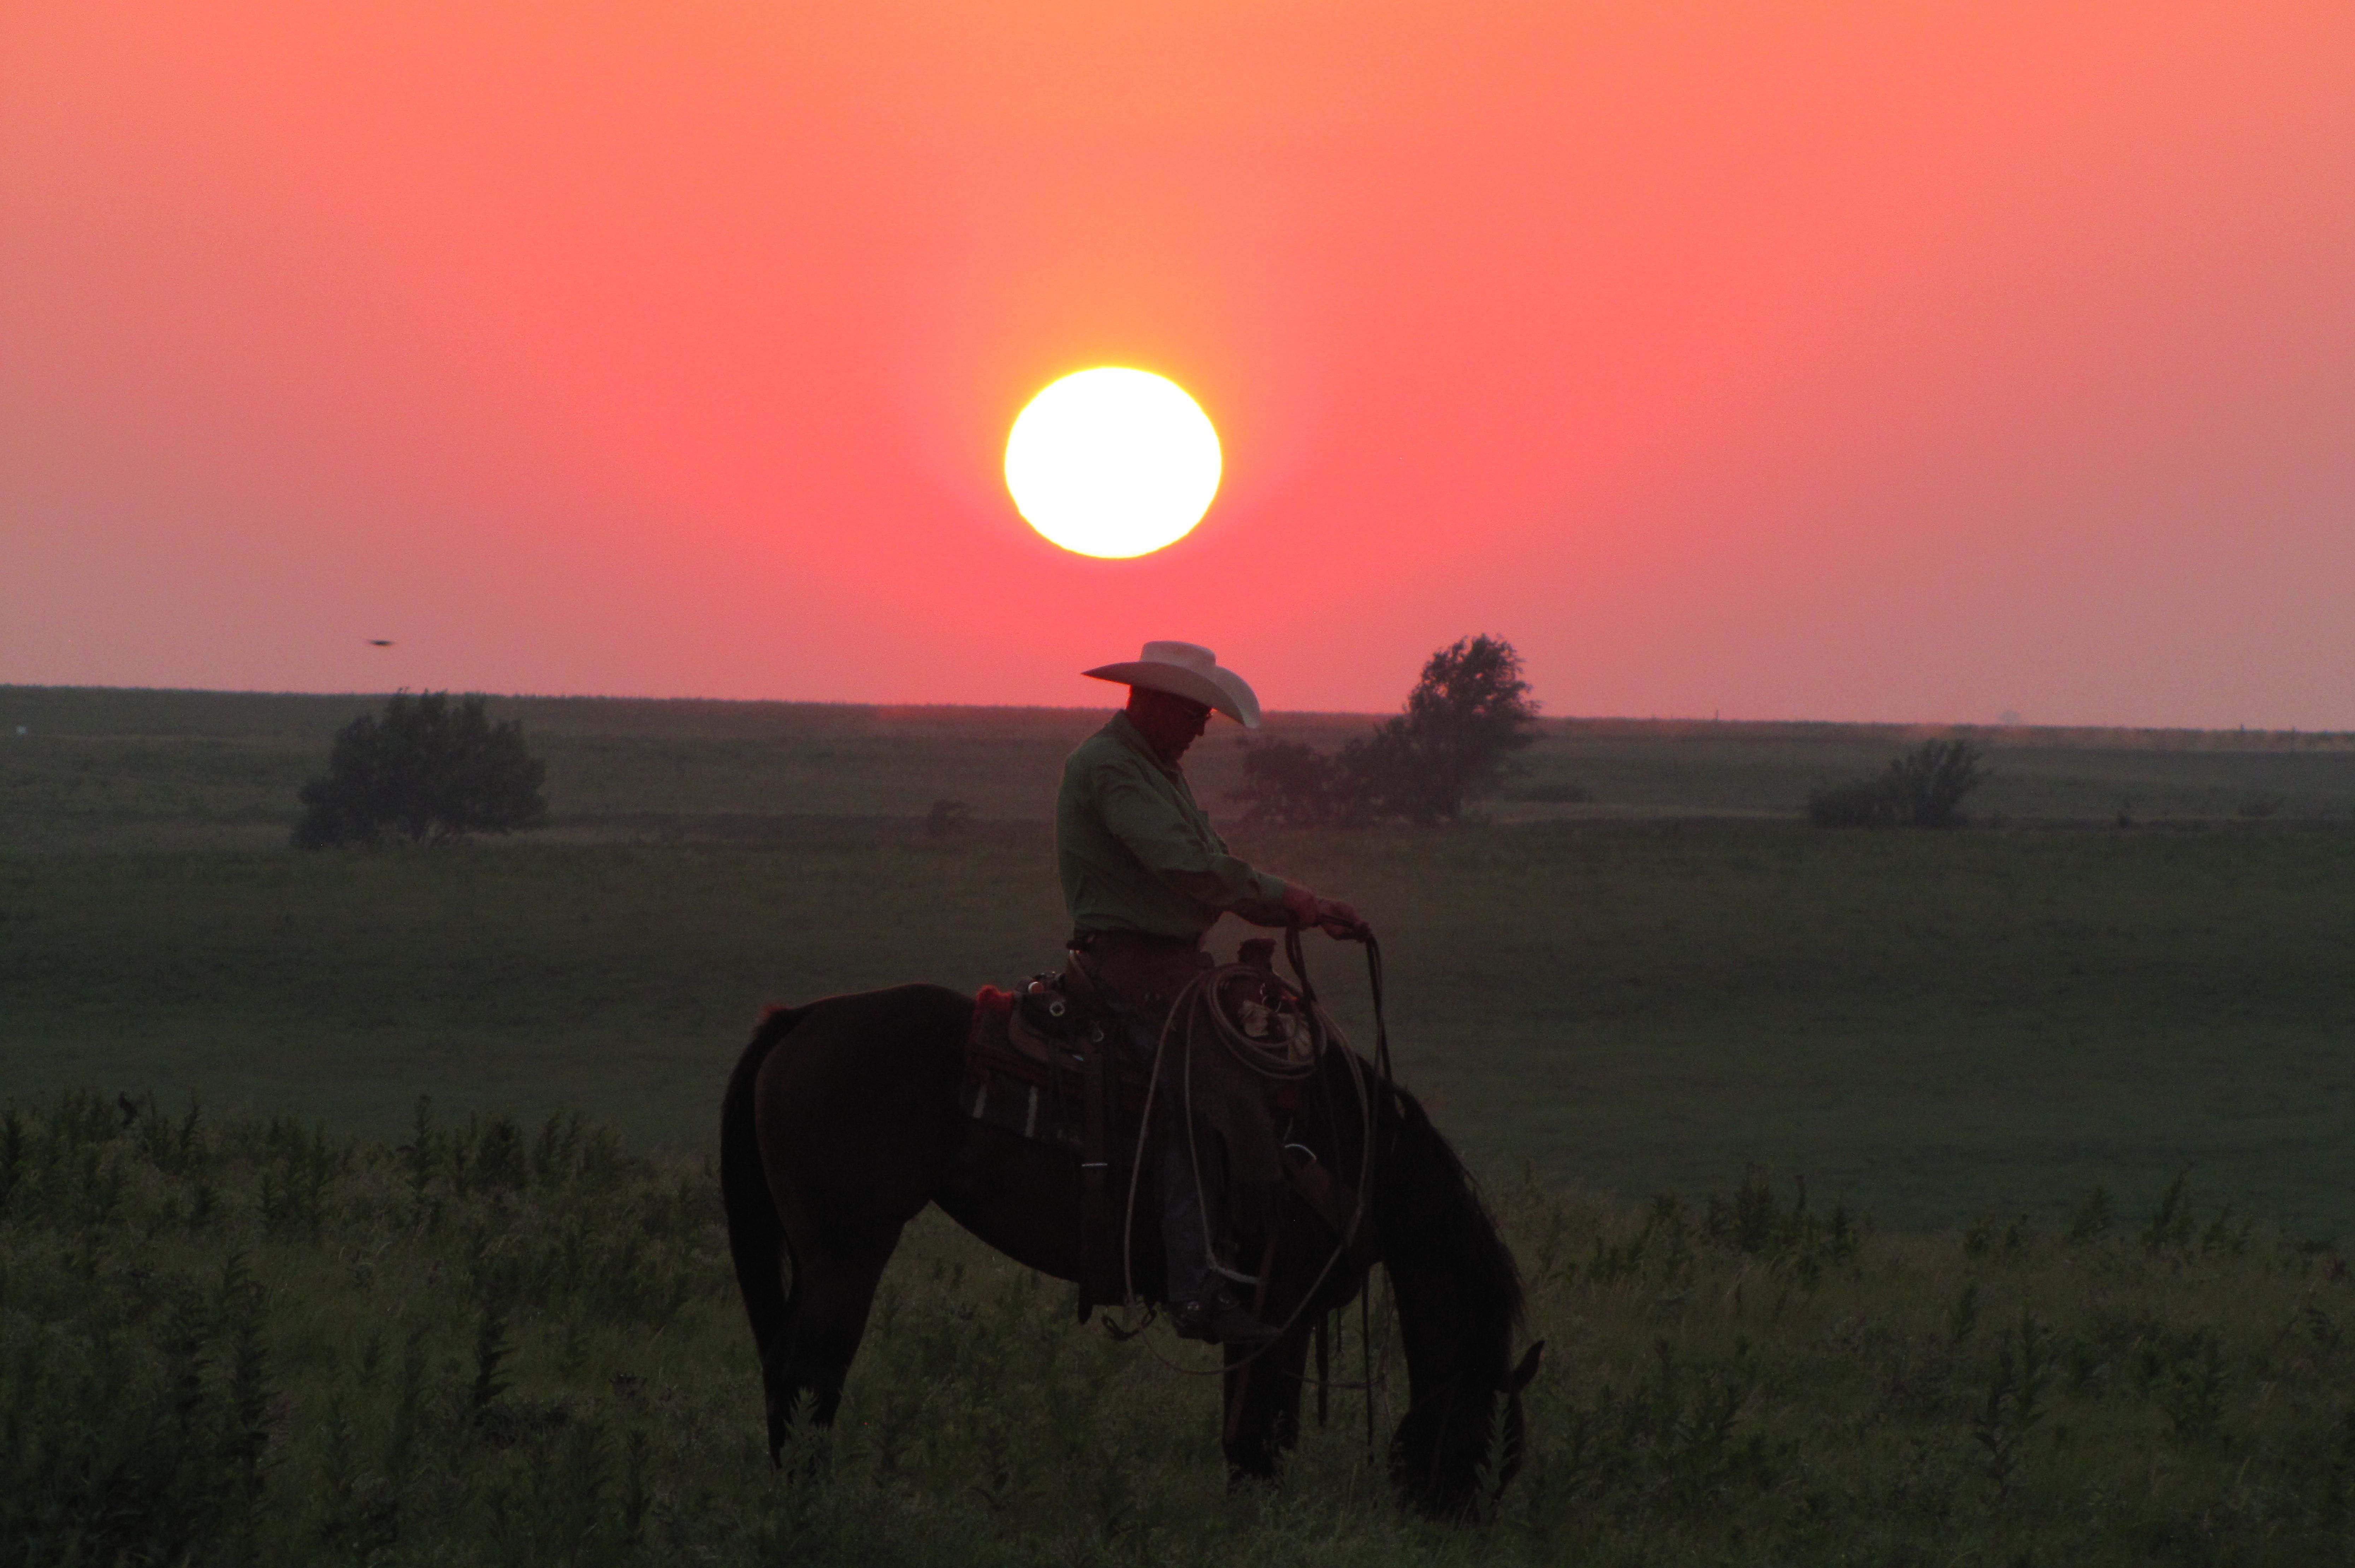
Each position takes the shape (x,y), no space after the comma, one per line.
(426,769)
(1467,715)
(1923,789)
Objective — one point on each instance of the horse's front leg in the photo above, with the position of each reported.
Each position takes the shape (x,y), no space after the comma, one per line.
(1263,1405)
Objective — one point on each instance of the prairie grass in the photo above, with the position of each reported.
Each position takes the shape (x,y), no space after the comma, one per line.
(247,1340)
(1929,1024)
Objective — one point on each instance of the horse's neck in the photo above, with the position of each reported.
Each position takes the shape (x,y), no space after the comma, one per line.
(1450,1325)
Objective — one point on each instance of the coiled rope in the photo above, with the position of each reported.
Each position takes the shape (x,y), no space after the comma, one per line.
(1200,994)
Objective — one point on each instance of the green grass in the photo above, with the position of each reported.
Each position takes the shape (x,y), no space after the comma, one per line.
(310,1330)
(1929,1026)
(231,1341)
(1650,988)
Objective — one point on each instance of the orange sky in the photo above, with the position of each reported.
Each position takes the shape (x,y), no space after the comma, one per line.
(1854,360)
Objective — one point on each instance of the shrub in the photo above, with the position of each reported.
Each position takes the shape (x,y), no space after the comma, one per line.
(1468,714)
(1865,804)
(1923,789)
(426,769)
(1289,784)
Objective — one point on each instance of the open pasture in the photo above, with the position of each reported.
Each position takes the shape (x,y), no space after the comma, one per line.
(1654,986)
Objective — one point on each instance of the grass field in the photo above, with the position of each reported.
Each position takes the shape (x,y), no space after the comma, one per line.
(1638,972)
(2070,1092)
(233,1342)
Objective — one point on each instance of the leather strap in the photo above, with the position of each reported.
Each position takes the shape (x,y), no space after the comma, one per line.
(1100,1271)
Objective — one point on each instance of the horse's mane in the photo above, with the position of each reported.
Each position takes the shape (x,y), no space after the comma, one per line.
(1435,1208)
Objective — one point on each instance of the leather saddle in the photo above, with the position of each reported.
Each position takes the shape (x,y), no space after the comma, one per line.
(1027,1062)
(1046,1062)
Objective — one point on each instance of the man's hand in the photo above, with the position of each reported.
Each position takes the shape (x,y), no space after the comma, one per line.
(1335,919)
(1340,920)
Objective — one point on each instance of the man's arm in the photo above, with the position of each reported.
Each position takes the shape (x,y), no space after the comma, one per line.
(1170,847)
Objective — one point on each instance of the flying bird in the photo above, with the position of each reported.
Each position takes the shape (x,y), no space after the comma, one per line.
(380,642)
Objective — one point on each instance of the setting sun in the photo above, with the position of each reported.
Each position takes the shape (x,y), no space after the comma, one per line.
(1113,462)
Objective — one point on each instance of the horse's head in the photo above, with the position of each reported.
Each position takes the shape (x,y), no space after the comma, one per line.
(1453,1446)
(1459,1296)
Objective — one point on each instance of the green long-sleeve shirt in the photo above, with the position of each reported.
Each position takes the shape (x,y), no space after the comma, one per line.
(1137,855)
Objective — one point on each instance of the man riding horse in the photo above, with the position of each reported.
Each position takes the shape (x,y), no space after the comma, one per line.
(1144,877)
(847,1117)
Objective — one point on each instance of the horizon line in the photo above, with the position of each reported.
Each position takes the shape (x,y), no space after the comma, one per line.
(1997,727)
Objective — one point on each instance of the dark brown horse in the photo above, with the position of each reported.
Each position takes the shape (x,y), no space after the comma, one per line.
(841,1123)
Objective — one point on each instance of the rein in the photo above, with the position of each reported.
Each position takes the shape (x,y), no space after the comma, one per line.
(1364,936)
(1294,956)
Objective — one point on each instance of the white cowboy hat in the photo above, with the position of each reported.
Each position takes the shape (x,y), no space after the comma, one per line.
(1185,670)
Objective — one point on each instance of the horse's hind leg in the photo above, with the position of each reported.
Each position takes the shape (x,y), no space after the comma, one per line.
(777,1392)
(803,1369)
(851,1118)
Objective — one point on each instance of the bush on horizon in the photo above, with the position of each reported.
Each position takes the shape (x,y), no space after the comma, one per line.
(1923,789)
(1468,713)
(424,770)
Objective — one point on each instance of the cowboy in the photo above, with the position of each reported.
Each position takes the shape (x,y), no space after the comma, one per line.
(1144,877)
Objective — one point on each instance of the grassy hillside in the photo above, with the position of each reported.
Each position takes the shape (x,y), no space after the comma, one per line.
(1639,973)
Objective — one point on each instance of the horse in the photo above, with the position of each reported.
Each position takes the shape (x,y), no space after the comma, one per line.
(840,1123)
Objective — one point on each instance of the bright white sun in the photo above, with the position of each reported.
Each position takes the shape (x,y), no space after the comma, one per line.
(1113,462)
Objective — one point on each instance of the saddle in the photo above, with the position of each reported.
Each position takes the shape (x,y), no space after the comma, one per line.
(1028,1060)
(1041,1065)
(1047,1062)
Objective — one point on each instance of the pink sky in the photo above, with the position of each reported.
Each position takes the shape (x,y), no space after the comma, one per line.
(1843,360)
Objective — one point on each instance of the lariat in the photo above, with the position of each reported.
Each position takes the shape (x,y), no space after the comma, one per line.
(1290,1047)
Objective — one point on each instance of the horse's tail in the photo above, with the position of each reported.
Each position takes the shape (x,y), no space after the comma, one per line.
(756,1234)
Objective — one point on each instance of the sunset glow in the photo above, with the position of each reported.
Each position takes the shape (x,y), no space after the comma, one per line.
(1842,361)
(1113,462)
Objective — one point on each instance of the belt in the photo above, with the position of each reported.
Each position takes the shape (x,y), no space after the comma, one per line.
(1134,972)
(1140,942)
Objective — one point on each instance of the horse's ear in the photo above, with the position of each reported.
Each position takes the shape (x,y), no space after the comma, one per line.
(1526,1371)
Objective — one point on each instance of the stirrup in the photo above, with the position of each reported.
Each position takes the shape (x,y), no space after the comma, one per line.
(1222,1320)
